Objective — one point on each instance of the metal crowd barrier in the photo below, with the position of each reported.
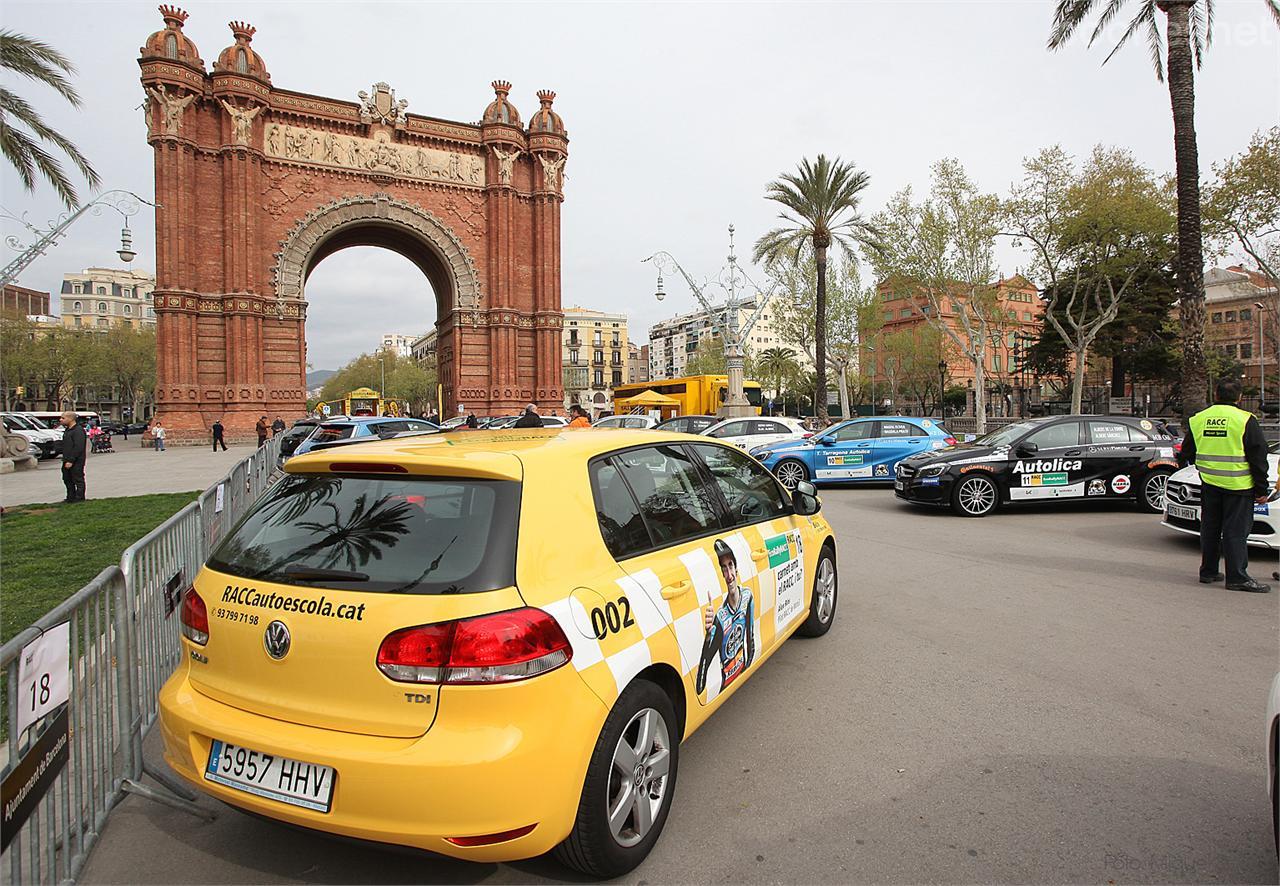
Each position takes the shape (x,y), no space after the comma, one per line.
(124,643)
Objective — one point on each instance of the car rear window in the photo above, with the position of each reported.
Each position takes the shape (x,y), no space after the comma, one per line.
(329,433)
(398,535)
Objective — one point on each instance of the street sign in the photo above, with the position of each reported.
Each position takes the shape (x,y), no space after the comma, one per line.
(1120,406)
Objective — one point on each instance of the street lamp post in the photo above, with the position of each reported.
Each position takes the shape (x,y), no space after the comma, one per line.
(731,278)
(1262,360)
(942,388)
(126,203)
(872,349)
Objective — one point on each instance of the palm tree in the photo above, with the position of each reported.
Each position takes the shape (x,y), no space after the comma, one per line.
(1188,31)
(775,364)
(42,63)
(820,208)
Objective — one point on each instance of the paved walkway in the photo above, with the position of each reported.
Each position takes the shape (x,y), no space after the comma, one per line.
(130,470)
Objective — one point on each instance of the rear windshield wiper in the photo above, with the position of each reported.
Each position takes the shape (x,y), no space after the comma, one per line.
(315,573)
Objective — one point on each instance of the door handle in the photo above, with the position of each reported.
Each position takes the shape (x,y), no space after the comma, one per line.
(863,446)
(760,554)
(671,591)
(1072,452)
(1136,448)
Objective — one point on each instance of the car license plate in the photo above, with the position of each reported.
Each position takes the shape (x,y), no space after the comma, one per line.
(1184,513)
(899,485)
(308,785)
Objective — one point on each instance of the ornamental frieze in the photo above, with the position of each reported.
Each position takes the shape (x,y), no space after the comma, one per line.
(330,109)
(379,155)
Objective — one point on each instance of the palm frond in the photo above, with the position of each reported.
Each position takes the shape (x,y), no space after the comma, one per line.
(28,157)
(10,103)
(1066,19)
(38,61)
(1155,45)
(1104,19)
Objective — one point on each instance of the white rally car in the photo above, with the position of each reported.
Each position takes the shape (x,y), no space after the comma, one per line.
(1182,505)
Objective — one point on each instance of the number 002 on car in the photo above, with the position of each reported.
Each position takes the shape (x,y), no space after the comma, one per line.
(308,785)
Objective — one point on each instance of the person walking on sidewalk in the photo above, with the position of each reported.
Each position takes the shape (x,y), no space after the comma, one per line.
(261,428)
(157,434)
(218,432)
(75,447)
(1227,446)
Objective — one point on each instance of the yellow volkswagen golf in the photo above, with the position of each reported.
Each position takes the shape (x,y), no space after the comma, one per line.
(489,644)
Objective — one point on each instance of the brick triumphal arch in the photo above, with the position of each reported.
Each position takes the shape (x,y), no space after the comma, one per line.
(255,185)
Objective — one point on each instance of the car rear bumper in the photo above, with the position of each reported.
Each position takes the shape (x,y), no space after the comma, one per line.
(496,759)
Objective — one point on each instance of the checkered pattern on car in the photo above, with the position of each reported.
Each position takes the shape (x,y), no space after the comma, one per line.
(672,631)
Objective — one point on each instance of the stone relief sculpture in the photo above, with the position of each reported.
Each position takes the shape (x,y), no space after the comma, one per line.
(505,161)
(171,108)
(242,120)
(551,171)
(379,154)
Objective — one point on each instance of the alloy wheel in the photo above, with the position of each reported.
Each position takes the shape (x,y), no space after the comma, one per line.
(1154,489)
(826,589)
(977,495)
(638,777)
(790,473)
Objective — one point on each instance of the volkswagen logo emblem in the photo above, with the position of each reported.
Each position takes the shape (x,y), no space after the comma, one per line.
(276,640)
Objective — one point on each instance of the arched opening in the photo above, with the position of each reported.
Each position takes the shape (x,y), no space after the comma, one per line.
(404,228)
(372,302)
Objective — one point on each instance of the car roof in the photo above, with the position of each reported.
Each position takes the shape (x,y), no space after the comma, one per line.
(496,454)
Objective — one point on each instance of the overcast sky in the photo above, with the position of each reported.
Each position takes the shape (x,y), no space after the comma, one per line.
(678,114)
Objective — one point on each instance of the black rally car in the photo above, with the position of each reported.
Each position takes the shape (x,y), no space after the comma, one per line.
(1059,457)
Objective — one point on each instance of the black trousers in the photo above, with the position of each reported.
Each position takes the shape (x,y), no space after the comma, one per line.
(218,441)
(73,479)
(1225,521)
(262,441)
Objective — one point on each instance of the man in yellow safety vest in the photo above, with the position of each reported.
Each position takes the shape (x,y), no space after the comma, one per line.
(1227,446)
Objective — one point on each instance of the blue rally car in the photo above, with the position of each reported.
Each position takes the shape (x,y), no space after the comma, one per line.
(858,449)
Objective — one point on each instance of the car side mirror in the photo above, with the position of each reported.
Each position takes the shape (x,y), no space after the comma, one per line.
(826,441)
(805,499)
(1028,449)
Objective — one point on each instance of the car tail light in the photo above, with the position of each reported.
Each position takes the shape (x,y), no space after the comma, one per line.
(806,435)
(195,618)
(498,648)
(490,839)
(1177,447)
(950,441)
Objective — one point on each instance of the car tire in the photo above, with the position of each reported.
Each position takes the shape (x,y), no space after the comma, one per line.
(790,472)
(594,846)
(826,593)
(975,495)
(1151,492)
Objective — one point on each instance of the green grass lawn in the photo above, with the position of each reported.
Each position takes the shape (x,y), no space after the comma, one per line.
(50,551)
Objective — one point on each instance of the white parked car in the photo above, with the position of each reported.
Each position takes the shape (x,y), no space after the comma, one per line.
(1182,505)
(625,421)
(757,431)
(46,440)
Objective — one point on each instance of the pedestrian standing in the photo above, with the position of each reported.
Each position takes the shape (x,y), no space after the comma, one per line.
(157,434)
(580,419)
(530,418)
(277,426)
(1228,448)
(74,452)
(218,432)
(261,428)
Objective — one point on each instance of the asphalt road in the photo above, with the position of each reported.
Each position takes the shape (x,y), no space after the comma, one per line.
(1039,696)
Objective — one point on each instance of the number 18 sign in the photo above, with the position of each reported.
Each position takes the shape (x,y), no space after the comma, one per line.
(44,672)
